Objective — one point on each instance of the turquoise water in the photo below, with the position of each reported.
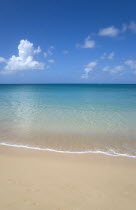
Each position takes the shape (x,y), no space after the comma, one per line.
(69,117)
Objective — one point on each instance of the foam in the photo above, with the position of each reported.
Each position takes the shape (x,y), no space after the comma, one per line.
(109,152)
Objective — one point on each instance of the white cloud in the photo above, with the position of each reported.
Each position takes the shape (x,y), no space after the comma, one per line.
(24,60)
(124,28)
(117,69)
(109,31)
(49,51)
(38,50)
(114,69)
(132,26)
(2,60)
(88,68)
(51,61)
(112,31)
(131,64)
(88,43)
(104,56)
(109,56)
(45,54)
(65,52)
(106,68)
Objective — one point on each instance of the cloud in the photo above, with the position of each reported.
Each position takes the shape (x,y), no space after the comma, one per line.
(49,51)
(123,67)
(88,43)
(45,54)
(2,60)
(109,56)
(132,26)
(114,69)
(124,28)
(38,50)
(112,31)
(24,60)
(88,68)
(104,56)
(65,52)
(51,61)
(131,64)
(109,31)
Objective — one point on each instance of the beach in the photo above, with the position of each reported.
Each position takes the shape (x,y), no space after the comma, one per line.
(67,147)
(67,105)
(41,180)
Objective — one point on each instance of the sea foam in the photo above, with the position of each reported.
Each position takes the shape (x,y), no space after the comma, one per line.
(109,152)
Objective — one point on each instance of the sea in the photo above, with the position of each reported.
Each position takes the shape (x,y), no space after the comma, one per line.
(70,118)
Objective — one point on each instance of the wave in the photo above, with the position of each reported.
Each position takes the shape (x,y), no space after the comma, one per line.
(109,152)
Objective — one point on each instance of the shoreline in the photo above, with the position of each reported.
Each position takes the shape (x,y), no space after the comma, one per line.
(31,179)
(109,152)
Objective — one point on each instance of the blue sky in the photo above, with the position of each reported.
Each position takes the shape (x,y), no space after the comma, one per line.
(65,41)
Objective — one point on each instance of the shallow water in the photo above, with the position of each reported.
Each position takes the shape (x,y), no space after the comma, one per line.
(70,117)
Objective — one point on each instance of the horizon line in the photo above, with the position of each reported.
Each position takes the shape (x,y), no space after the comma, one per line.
(67,83)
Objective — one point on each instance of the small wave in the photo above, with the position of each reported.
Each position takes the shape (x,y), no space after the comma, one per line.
(109,152)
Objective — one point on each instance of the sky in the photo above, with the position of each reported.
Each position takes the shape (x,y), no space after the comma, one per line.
(67,41)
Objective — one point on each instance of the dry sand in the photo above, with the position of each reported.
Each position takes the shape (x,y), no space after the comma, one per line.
(47,180)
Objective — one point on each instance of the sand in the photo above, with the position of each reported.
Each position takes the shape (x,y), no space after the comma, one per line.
(46,180)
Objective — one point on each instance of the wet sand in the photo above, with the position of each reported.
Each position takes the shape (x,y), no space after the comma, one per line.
(46,180)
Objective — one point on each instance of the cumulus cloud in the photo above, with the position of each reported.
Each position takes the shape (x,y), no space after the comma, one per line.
(124,28)
(132,26)
(88,68)
(24,60)
(118,68)
(109,31)
(104,56)
(38,50)
(45,54)
(114,69)
(51,61)
(131,64)
(49,51)
(112,31)
(2,60)
(88,43)
(65,52)
(121,68)
(109,56)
